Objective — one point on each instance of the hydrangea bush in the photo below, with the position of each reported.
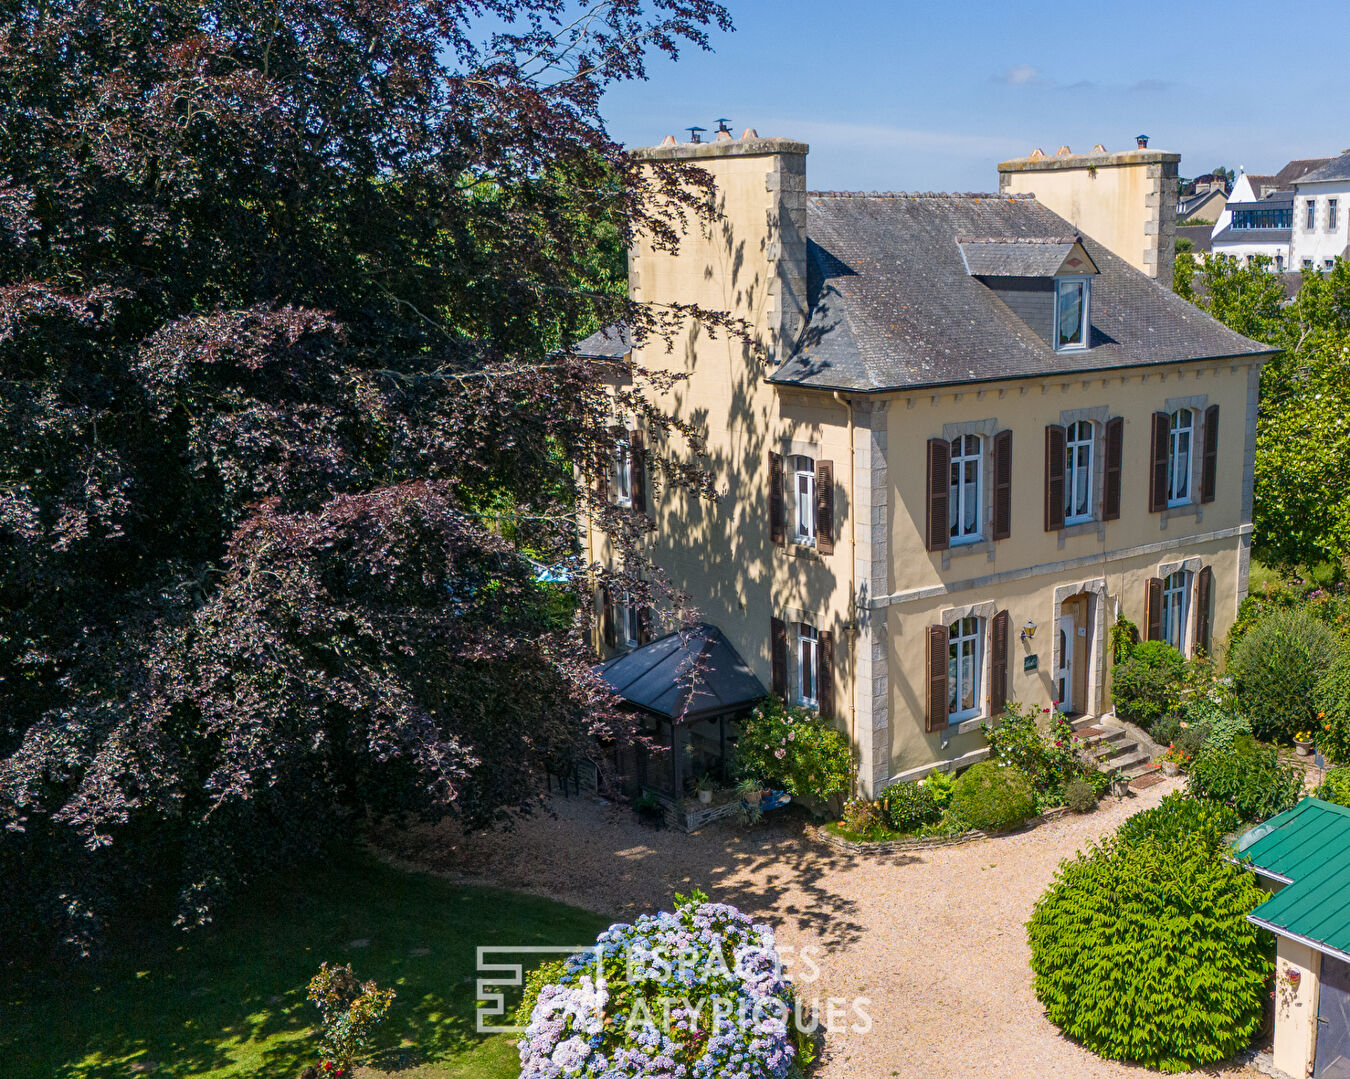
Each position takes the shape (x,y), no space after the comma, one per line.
(694,994)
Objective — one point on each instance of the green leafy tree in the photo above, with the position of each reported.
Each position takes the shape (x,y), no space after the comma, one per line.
(1142,950)
(1302,495)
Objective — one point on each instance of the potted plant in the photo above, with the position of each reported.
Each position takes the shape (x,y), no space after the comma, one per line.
(1120,784)
(1303,743)
(704,788)
(749,791)
(1171,763)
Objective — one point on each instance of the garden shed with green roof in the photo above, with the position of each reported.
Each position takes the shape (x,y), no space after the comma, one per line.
(1303,855)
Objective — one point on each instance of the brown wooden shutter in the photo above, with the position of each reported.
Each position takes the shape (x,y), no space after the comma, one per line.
(1002,485)
(1209,464)
(638,465)
(1158,454)
(998,664)
(644,624)
(1204,588)
(939,494)
(1153,609)
(1114,437)
(607,616)
(778,656)
(936,711)
(825,676)
(777,532)
(1054,477)
(825,507)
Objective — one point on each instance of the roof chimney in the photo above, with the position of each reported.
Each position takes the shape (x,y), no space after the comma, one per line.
(695,132)
(1142,141)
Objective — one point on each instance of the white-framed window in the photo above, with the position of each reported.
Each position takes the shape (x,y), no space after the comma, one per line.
(804,500)
(1078,472)
(1279,264)
(1331,215)
(1181,438)
(1307,264)
(1328,264)
(1175,607)
(629,619)
(1073,296)
(1310,209)
(808,665)
(965,648)
(963,503)
(623,472)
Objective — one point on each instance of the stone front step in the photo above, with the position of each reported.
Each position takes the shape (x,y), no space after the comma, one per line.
(1114,748)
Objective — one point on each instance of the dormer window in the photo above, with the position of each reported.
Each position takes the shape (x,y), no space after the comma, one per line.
(1073,296)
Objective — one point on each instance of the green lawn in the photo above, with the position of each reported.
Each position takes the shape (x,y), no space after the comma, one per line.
(230,1001)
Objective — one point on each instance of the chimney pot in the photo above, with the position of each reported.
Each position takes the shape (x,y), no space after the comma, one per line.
(1036,154)
(1099,149)
(1142,140)
(669,140)
(724,136)
(1063,151)
(749,133)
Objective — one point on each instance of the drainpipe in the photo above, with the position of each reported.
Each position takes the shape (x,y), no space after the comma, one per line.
(852,519)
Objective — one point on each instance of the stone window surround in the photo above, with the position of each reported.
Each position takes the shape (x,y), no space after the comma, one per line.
(986,429)
(1192,567)
(1197,403)
(1098,415)
(1095,587)
(984,611)
(789,448)
(794,617)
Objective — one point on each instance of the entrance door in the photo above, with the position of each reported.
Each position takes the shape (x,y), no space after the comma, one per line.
(1333,1021)
(1064,675)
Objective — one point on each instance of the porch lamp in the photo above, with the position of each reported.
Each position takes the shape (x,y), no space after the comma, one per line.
(1028,631)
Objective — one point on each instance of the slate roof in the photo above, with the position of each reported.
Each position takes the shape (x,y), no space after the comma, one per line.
(611,343)
(1199,235)
(1230,235)
(1020,257)
(698,666)
(892,307)
(1335,168)
(1308,847)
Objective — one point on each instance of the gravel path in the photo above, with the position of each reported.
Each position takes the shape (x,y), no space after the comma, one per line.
(933,939)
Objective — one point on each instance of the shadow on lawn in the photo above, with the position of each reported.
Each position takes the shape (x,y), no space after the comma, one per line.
(230,1000)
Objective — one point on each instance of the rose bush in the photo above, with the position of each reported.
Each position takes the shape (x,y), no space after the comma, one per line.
(696,994)
(791,748)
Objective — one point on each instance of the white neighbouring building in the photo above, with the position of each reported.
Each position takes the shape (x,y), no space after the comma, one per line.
(1253,227)
(1321,203)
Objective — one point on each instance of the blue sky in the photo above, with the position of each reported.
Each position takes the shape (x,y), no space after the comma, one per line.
(909,96)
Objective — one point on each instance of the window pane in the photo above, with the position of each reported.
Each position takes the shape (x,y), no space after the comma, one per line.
(951,676)
(1070,313)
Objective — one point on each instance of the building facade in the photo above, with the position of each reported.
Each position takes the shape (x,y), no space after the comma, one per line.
(966,438)
(1319,233)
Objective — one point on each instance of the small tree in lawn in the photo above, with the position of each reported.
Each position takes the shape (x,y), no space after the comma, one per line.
(350,1011)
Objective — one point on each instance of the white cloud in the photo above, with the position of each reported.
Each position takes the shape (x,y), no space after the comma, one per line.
(1022,75)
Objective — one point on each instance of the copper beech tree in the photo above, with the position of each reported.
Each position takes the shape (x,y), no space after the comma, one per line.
(287,430)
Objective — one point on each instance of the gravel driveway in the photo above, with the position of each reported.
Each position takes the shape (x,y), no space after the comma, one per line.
(934,939)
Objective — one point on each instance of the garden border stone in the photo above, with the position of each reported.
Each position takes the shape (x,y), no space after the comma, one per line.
(898,846)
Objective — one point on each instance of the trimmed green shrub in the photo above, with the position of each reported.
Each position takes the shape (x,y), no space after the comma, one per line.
(1180,815)
(909,806)
(1147,685)
(1143,952)
(860,816)
(1332,699)
(1225,730)
(1335,787)
(1079,795)
(993,796)
(1249,778)
(1276,669)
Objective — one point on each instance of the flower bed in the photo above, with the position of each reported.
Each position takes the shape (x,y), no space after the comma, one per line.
(697,993)
(913,843)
